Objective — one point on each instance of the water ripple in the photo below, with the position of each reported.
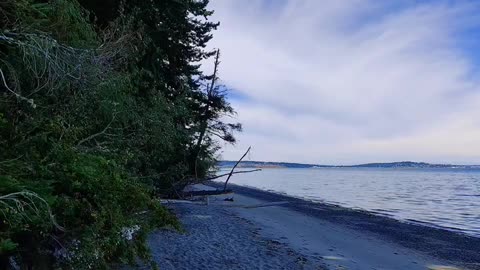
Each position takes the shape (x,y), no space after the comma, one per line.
(445,198)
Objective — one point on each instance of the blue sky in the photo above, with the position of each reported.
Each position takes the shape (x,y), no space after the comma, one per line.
(343,82)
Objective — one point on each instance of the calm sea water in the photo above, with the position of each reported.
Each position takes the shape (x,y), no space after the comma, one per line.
(448,198)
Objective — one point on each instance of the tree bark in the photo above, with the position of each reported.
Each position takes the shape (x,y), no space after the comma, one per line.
(204,124)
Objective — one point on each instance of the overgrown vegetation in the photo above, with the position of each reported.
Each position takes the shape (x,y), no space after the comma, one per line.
(103,108)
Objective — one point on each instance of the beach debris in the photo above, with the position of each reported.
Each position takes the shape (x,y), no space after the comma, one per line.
(235,172)
(233,169)
(229,199)
(181,201)
(194,193)
(333,258)
(442,267)
(256,205)
(265,204)
(236,205)
(204,193)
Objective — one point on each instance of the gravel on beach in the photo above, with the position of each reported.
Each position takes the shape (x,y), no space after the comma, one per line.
(215,238)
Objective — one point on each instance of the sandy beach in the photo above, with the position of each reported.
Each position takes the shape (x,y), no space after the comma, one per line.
(252,232)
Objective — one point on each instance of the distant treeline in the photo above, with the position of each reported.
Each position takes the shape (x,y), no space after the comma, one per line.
(265,164)
(103,108)
(401,164)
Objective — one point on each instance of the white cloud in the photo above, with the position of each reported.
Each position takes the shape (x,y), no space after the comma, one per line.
(351,81)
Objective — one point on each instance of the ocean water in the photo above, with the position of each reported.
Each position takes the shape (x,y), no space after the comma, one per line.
(447,198)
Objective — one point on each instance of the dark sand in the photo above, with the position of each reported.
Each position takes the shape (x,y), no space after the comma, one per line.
(217,239)
(303,235)
(369,239)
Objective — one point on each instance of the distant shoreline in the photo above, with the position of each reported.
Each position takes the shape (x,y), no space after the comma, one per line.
(401,164)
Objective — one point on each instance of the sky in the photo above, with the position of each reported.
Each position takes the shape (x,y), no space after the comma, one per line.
(348,82)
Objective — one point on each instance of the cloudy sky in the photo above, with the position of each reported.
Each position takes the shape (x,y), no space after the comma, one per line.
(354,81)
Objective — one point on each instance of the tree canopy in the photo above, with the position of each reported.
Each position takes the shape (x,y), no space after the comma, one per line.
(103,108)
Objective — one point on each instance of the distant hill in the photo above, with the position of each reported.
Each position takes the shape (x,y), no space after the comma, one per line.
(406,164)
(266,164)
(401,164)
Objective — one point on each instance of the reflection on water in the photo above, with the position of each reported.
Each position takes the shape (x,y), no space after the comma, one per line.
(441,197)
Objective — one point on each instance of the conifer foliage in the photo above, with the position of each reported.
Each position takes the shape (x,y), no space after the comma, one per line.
(103,108)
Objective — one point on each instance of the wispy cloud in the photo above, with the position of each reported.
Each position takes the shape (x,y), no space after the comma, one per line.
(352,81)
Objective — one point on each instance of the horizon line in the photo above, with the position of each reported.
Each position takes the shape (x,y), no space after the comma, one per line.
(356,164)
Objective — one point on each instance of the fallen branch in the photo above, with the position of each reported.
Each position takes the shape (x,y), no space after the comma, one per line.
(236,164)
(225,174)
(206,193)
(180,201)
(263,205)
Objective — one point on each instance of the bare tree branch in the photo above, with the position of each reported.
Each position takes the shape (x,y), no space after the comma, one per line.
(97,134)
(236,164)
(13,92)
(225,174)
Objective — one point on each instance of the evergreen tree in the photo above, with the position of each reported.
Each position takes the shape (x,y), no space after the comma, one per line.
(103,107)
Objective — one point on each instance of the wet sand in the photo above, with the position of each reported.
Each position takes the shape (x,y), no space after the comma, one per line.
(363,239)
(216,238)
(251,233)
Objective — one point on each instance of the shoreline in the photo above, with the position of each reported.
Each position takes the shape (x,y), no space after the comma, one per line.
(216,238)
(446,245)
(249,190)
(346,208)
(259,231)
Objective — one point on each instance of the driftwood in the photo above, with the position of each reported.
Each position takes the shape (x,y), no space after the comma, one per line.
(180,201)
(182,195)
(236,164)
(225,174)
(206,192)
(251,206)
(265,204)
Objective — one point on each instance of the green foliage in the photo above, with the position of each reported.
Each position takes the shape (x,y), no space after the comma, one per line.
(64,19)
(98,118)
(7,246)
(98,219)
